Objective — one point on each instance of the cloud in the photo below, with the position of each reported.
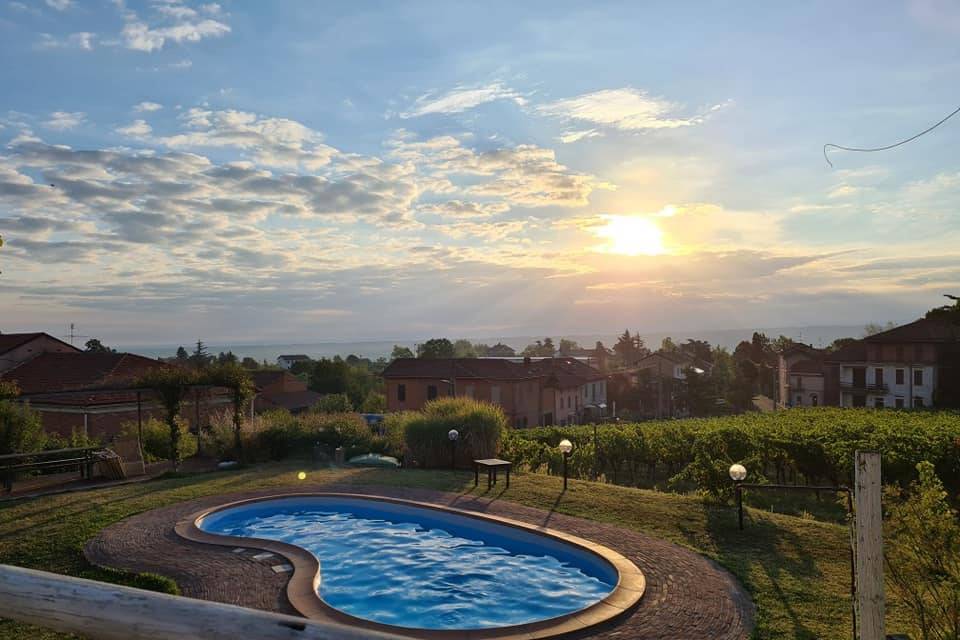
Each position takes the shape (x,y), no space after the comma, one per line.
(136,129)
(64,120)
(82,40)
(625,109)
(59,5)
(173,23)
(147,107)
(460,99)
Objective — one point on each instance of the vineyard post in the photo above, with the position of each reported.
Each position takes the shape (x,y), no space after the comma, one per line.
(869,527)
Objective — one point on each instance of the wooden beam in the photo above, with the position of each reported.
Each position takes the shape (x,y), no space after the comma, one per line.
(869,526)
(102,611)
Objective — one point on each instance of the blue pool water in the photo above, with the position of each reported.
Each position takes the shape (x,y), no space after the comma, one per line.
(420,568)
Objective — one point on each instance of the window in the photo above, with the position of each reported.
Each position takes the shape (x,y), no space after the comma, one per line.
(899,376)
(918,402)
(814,400)
(799,401)
(918,377)
(878,377)
(593,390)
(878,402)
(401,392)
(898,403)
(431,391)
(495,395)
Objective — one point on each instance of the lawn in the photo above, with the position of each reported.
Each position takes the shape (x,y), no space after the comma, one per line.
(795,568)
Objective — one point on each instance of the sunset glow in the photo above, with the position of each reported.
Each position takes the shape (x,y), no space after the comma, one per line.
(631,236)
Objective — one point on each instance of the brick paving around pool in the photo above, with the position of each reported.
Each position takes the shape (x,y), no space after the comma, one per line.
(688,597)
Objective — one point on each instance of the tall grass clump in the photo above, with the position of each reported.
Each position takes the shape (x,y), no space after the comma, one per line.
(482,427)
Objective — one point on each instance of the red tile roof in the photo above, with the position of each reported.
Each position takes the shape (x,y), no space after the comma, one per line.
(566,372)
(922,330)
(808,367)
(10,341)
(51,372)
(450,368)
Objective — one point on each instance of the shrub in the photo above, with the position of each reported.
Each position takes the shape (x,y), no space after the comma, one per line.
(481,425)
(375,402)
(923,555)
(334,403)
(156,439)
(20,429)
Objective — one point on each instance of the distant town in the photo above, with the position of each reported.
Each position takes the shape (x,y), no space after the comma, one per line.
(93,391)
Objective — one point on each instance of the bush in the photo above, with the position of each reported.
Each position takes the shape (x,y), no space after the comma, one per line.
(156,439)
(334,403)
(482,427)
(922,534)
(20,429)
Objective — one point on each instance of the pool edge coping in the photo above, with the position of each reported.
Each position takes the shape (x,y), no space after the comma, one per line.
(306,574)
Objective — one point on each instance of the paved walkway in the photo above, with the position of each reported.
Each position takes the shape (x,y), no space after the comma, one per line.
(687,596)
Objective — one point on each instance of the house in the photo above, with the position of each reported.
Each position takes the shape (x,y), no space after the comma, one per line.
(530,391)
(90,393)
(282,390)
(573,391)
(667,369)
(412,382)
(287,361)
(800,377)
(16,348)
(913,365)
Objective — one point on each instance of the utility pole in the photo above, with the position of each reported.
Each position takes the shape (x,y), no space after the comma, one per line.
(869,528)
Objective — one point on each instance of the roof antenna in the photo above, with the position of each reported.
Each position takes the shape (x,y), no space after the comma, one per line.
(73,334)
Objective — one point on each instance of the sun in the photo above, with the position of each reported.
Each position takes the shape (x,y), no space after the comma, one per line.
(630,235)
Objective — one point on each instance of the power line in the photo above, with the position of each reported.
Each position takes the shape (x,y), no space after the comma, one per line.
(889,146)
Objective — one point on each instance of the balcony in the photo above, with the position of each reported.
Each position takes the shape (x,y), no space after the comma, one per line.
(855,387)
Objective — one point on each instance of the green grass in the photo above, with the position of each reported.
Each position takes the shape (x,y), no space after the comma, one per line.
(795,568)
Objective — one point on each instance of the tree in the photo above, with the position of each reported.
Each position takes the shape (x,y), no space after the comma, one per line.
(699,349)
(400,352)
(182,354)
(228,357)
(93,345)
(464,349)
(375,402)
(435,348)
(873,328)
(568,346)
(334,403)
(249,363)
(629,348)
(234,377)
(540,349)
(922,535)
(171,385)
(200,357)
(667,344)
(501,350)
(20,428)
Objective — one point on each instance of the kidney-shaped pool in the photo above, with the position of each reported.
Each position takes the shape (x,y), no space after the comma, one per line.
(412,566)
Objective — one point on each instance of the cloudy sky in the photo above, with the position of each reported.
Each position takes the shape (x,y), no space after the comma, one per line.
(348,170)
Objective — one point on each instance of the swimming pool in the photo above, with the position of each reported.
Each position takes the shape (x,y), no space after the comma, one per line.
(411,566)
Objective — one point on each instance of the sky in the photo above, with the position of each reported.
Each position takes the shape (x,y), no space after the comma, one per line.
(296,171)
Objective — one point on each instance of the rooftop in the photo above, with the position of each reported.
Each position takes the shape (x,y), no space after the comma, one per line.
(922,330)
(52,372)
(450,368)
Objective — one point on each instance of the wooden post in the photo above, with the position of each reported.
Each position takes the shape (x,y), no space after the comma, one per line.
(869,527)
(103,611)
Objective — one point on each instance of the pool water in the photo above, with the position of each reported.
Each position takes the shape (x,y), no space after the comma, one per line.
(413,567)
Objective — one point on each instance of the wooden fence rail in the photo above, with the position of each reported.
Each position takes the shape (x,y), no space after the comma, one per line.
(111,612)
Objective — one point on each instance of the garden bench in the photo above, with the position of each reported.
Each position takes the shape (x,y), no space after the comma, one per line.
(491,465)
(14,464)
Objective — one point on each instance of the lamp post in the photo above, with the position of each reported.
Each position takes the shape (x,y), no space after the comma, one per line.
(565,448)
(738,473)
(454,435)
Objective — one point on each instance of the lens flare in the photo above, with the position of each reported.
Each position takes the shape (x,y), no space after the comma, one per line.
(302,475)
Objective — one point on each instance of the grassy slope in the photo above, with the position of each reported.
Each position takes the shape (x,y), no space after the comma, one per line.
(796,569)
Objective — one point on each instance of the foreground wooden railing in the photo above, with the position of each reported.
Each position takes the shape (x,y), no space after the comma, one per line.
(111,612)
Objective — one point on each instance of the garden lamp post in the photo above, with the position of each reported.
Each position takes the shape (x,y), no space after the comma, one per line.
(454,435)
(738,473)
(565,448)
